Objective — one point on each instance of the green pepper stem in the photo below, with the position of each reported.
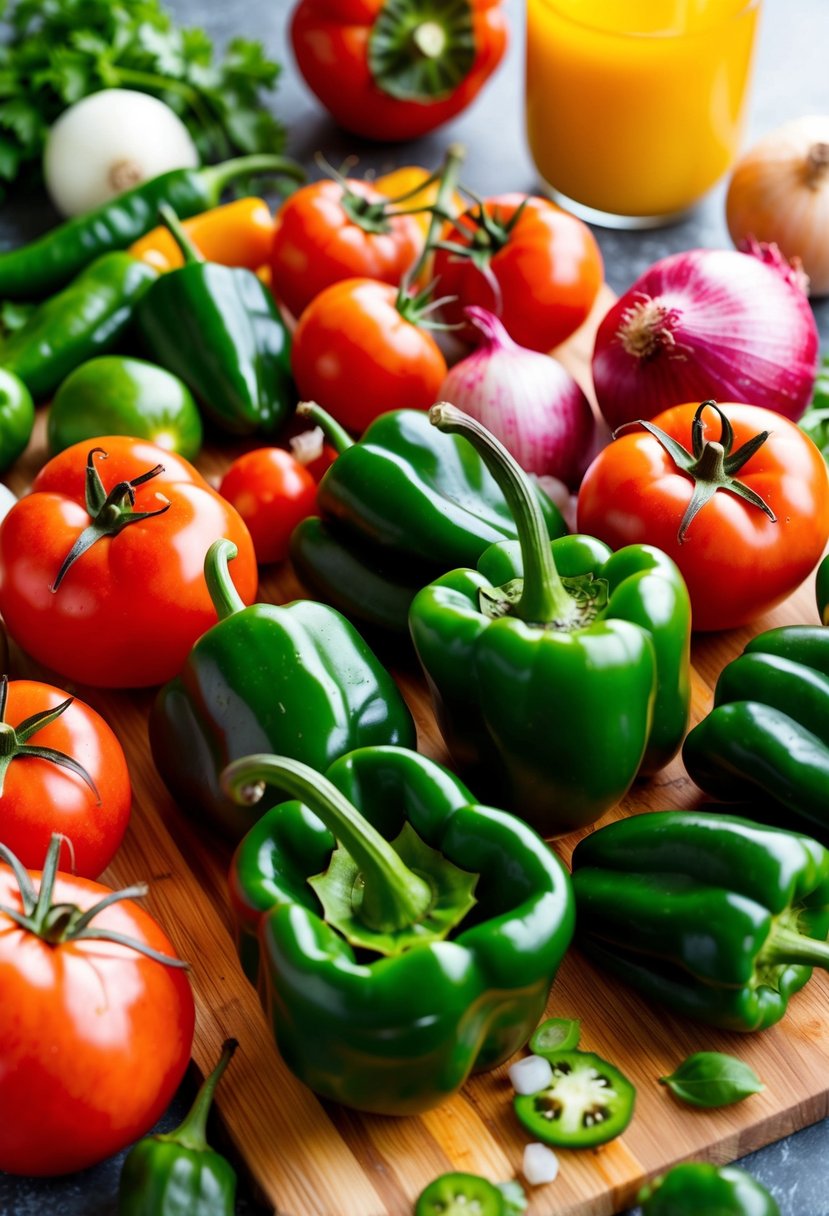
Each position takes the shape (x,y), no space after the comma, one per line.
(393,898)
(544,598)
(449,174)
(215,178)
(179,234)
(220,586)
(192,1131)
(788,946)
(336,435)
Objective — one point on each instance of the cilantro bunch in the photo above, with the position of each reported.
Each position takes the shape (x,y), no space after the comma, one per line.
(54,52)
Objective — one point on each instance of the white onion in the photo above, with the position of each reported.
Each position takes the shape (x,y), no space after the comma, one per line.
(109,142)
(530,1075)
(540,1164)
(527,399)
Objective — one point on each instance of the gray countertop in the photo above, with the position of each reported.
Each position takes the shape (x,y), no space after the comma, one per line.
(790,80)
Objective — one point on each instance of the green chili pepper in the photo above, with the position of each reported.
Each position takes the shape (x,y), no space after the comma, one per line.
(699,1189)
(86,318)
(398,508)
(459,1194)
(296,678)
(400,1032)
(17,418)
(719,918)
(768,732)
(558,671)
(46,264)
(177,1172)
(219,330)
(822,590)
(587,1102)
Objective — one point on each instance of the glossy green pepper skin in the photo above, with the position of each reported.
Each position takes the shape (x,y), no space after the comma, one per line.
(399,1035)
(177,1173)
(218,329)
(295,678)
(715,916)
(115,395)
(699,1189)
(85,319)
(403,504)
(815,422)
(17,417)
(557,704)
(822,590)
(768,732)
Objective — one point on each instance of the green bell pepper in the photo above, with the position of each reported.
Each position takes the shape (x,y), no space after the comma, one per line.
(113,395)
(768,732)
(558,671)
(395,1032)
(173,1173)
(218,329)
(296,678)
(86,318)
(17,418)
(397,508)
(717,917)
(699,1189)
(822,590)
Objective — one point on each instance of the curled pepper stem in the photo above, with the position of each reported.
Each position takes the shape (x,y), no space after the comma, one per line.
(336,435)
(544,598)
(785,945)
(191,1133)
(393,897)
(220,586)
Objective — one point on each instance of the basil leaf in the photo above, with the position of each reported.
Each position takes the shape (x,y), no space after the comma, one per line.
(556,1034)
(712,1078)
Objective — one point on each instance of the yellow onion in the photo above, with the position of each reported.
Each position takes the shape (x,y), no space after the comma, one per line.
(779,191)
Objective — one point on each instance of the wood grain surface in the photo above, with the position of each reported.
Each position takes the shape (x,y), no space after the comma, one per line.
(308,1158)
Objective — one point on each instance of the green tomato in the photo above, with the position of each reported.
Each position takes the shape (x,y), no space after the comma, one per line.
(17,417)
(114,395)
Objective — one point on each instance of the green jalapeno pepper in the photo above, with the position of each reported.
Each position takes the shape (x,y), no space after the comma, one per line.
(699,1189)
(17,418)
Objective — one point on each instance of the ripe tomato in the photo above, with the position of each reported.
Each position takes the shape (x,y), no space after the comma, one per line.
(272,492)
(41,796)
(546,263)
(737,562)
(94,1037)
(357,356)
(131,606)
(327,233)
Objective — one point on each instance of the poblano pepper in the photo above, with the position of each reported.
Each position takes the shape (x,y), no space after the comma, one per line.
(715,916)
(558,671)
(768,733)
(437,987)
(218,329)
(697,1188)
(398,508)
(173,1173)
(297,678)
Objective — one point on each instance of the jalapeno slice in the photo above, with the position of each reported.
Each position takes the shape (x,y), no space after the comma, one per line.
(554,1036)
(587,1102)
(460,1195)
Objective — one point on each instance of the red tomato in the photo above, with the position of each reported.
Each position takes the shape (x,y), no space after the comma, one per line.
(357,356)
(94,1036)
(547,266)
(130,608)
(40,796)
(737,562)
(272,492)
(327,234)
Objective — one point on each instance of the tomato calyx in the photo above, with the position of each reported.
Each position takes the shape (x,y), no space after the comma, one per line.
(14,741)
(487,235)
(110,513)
(56,923)
(711,463)
(421,50)
(415,307)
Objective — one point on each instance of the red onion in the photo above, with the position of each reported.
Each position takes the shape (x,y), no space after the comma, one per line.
(706,324)
(527,399)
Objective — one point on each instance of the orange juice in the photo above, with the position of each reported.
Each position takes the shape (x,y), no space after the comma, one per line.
(634,107)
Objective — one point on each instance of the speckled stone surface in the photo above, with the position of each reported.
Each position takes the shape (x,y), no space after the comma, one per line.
(790,80)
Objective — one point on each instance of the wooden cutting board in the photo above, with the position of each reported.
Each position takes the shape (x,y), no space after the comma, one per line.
(309,1158)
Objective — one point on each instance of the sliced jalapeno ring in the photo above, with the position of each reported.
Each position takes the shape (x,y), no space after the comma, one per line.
(460,1195)
(587,1102)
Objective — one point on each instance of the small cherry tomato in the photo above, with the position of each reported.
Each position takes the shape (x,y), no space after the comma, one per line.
(272,492)
(63,770)
(739,554)
(357,354)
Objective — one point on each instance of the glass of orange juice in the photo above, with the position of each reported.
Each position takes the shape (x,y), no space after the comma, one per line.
(635,107)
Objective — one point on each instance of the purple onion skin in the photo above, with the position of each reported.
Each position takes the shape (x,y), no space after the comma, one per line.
(719,325)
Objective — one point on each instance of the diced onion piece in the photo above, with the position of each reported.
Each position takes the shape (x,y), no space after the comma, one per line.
(530,1075)
(540,1164)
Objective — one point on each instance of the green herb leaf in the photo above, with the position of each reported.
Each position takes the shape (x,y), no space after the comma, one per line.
(712,1078)
(556,1034)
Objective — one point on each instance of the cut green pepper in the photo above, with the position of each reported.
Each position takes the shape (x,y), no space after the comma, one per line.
(715,916)
(397,1033)
(699,1189)
(557,671)
(296,677)
(587,1102)
(458,1194)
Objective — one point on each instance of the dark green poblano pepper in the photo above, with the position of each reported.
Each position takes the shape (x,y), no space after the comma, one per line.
(177,1173)
(699,1189)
